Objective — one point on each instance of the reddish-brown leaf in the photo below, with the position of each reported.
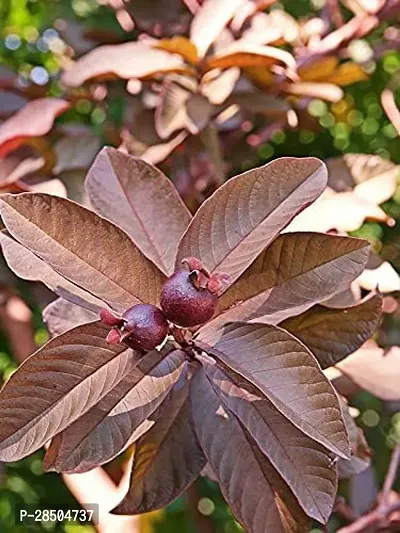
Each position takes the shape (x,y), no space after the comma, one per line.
(283,369)
(88,250)
(127,60)
(168,458)
(209,21)
(375,370)
(29,266)
(58,384)
(256,494)
(142,201)
(332,334)
(62,315)
(35,119)
(304,464)
(247,213)
(296,272)
(120,418)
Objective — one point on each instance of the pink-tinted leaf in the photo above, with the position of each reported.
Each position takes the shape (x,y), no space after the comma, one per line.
(375,370)
(209,21)
(75,152)
(283,369)
(24,169)
(246,214)
(332,334)
(255,492)
(120,418)
(127,60)
(344,211)
(62,315)
(35,119)
(66,236)
(260,102)
(58,384)
(218,89)
(304,464)
(142,201)
(29,266)
(243,54)
(168,458)
(325,91)
(296,272)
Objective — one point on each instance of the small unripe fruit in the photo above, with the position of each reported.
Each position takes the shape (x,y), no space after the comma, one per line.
(145,327)
(184,303)
(142,327)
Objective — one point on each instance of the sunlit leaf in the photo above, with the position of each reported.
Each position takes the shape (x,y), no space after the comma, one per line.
(66,236)
(244,215)
(142,201)
(58,384)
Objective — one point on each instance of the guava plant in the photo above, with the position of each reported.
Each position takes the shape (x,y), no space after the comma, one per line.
(200,339)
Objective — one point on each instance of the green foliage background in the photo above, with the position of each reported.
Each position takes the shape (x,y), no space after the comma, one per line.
(356,124)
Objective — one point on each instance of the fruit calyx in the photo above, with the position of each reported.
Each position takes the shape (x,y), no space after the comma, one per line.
(141,327)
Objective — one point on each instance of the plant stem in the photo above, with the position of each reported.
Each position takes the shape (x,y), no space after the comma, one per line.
(210,139)
(379,517)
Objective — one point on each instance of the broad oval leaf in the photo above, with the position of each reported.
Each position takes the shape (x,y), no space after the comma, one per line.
(247,213)
(120,418)
(58,384)
(375,370)
(168,458)
(296,272)
(332,334)
(126,61)
(142,201)
(304,464)
(29,266)
(209,21)
(35,119)
(84,248)
(256,494)
(62,315)
(283,369)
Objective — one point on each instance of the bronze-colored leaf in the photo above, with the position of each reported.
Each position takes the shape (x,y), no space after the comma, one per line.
(29,266)
(247,213)
(296,272)
(127,60)
(168,458)
(332,334)
(304,464)
(88,250)
(286,372)
(62,315)
(58,384)
(142,201)
(257,496)
(35,119)
(179,45)
(209,21)
(243,54)
(120,418)
(260,102)
(375,370)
